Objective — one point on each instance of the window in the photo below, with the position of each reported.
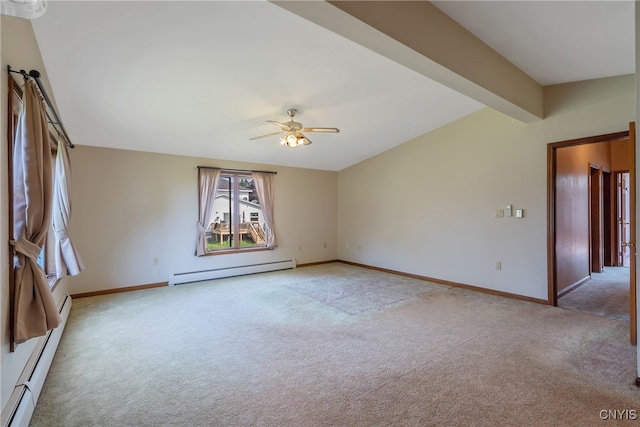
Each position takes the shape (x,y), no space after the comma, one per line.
(235,211)
(46,260)
(236,220)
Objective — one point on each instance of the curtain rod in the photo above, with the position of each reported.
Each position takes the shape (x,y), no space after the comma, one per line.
(35,75)
(234,170)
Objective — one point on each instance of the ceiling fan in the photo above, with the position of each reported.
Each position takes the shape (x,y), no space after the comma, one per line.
(292,130)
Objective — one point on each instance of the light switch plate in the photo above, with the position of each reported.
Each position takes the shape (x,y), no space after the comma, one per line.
(507,211)
(519,213)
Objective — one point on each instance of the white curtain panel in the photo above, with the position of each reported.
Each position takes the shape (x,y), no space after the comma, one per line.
(68,262)
(207,183)
(35,310)
(264,187)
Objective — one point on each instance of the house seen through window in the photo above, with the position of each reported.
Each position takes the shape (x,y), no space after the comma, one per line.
(236,218)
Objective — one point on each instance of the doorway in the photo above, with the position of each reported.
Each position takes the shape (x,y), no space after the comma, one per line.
(589,215)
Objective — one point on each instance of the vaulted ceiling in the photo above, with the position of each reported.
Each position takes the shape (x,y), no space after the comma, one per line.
(201,78)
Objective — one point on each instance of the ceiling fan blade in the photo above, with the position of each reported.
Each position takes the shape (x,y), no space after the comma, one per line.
(284,126)
(264,136)
(330,130)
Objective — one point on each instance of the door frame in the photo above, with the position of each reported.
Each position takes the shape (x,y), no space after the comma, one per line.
(596,225)
(620,204)
(608,217)
(552,293)
(632,231)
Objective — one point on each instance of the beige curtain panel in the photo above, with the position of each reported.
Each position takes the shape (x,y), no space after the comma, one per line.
(68,262)
(207,183)
(264,187)
(35,310)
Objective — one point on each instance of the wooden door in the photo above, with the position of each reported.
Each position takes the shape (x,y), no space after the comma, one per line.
(632,228)
(595,215)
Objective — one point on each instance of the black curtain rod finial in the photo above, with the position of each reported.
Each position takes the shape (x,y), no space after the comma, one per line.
(21,72)
(32,73)
(35,74)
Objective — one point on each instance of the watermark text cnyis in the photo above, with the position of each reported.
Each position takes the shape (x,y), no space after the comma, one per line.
(618,414)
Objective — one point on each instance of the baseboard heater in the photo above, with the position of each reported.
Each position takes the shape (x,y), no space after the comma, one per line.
(22,403)
(219,273)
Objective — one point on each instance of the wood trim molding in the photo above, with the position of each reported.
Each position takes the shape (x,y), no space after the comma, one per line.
(120,290)
(574,286)
(633,229)
(13,88)
(616,136)
(219,252)
(53,283)
(552,295)
(452,284)
(310,264)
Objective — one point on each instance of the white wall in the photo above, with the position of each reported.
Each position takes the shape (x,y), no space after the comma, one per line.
(430,208)
(130,207)
(19,49)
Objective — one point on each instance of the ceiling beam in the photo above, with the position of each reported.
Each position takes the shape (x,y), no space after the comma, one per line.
(421,37)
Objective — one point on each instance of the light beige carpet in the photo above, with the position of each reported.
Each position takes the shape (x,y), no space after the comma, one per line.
(605,294)
(333,345)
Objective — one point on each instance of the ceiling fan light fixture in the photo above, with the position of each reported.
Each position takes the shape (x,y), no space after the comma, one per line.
(302,140)
(26,9)
(291,140)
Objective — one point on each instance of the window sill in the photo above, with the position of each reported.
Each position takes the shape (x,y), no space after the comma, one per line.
(236,251)
(53,282)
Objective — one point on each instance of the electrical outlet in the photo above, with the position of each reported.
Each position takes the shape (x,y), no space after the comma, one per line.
(498,265)
(346,245)
(325,245)
(499,213)
(299,247)
(156,261)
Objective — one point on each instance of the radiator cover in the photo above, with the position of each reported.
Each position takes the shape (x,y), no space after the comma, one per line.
(18,411)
